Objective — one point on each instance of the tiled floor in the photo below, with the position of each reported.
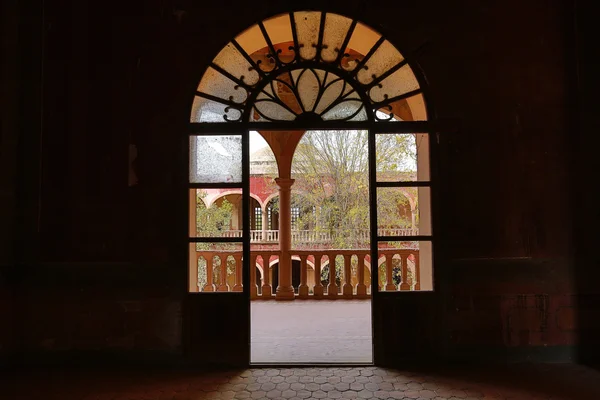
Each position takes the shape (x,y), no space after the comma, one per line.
(329,331)
(515,382)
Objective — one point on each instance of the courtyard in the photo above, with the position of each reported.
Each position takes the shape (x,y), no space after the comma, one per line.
(324,331)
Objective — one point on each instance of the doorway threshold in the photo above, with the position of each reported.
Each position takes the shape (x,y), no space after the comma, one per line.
(310,365)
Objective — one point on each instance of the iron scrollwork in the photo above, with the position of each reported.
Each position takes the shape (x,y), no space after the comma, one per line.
(290,87)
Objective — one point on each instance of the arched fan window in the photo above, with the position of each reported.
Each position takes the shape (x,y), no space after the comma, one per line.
(307,67)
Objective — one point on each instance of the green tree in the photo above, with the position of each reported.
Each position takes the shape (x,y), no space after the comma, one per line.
(331,172)
(212,221)
(332,191)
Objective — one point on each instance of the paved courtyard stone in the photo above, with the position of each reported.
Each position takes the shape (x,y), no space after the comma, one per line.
(324,331)
(548,382)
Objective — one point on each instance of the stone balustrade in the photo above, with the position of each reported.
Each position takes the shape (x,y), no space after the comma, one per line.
(399,270)
(310,236)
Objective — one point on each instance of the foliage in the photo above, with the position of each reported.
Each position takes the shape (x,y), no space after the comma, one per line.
(211,221)
(332,191)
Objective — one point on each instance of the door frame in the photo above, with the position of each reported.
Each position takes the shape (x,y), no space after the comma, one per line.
(379,299)
(412,300)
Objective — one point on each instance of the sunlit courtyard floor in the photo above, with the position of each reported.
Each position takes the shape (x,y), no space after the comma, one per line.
(311,331)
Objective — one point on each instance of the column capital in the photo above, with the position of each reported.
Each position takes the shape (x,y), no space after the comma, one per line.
(284,183)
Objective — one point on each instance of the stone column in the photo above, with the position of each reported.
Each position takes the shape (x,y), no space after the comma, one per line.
(285,290)
(265,222)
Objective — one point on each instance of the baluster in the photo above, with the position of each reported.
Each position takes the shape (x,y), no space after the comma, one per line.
(303,288)
(404,259)
(238,272)
(209,287)
(253,287)
(266,287)
(347,289)
(223,286)
(417,271)
(379,287)
(332,288)
(318,289)
(361,288)
(389,269)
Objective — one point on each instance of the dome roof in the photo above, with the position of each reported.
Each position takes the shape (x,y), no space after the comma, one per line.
(262,155)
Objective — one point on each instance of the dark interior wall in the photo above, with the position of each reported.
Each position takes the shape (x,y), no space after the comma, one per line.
(100,265)
(8,163)
(586,163)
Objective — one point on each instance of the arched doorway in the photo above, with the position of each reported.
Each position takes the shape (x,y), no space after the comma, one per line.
(316,71)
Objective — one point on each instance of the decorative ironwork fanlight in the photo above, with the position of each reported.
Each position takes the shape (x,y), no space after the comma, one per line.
(308,66)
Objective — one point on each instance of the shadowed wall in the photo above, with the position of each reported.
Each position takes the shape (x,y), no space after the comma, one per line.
(90,263)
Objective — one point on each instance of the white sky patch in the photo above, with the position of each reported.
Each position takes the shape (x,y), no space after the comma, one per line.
(257,142)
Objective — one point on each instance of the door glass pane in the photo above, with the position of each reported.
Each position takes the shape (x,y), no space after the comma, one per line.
(350,109)
(330,194)
(307,27)
(403,211)
(336,28)
(216,213)
(218,85)
(384,58)
(362,40)
(204,110)
(215,159)
(215,267)
(405,266)
(398,83)
(232,61)
(279,29)
(402,157)
(408,109)
(254,44)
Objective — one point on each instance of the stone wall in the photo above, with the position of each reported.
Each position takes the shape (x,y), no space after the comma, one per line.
(99,265)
